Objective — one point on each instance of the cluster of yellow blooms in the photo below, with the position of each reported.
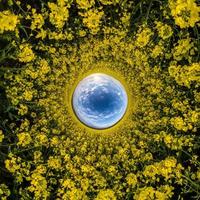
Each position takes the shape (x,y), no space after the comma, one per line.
(92,20)
(162,193)
(85,4)
(38,183)
(143,37)
(4,191)
(167,168)
(186,75)
(8,21)
(51,155)
(59,13)
(184,49)
(13,164)
(26,54)
(37,20)
(164,30)
(185,12)
(24,139)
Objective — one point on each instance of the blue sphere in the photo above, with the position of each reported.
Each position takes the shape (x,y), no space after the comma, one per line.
(99,101)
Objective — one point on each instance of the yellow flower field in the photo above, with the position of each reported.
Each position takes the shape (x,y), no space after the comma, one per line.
(152,47)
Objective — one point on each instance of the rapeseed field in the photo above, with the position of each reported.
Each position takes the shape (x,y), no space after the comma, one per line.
(47,47)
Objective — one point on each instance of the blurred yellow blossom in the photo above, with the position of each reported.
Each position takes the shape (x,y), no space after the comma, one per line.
(164,30)
(26,54)
(37,20)
(28,95)
(186,75)
(1,136)
(23,109)
(147,193)
(8,21)
(109,2)
(24,139)
(85,4)
(92,20)
(183,49)
(106,195)
(41,139)
(185,12)
(179,123)
(38,186)
(4,191)
(54,163)
(131,180)
(143,37)
(12,164)
(59,14)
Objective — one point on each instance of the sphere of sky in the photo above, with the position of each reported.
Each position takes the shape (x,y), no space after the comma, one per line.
(99,101)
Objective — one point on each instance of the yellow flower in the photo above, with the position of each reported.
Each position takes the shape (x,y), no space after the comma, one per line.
(75,194)
(183,49)
(59,14)
(24,139)
(185,12)
(143,37)
(12,164)
(82,33)
(131,179)
(186,75)
(92,20)
(54,163)
(164,30)
(85,184)
(106,195)
(178,123)
(146,193)
(198,174)
(38,186)
(37,20)
(55,141)
(170,162)
(85,4)
(168,139)
(4,191)
(26,54)
(44,67)
(41,139)
(8,21)
(68,183)
(40,169)
(166,168)
(109,2)
(41,34)
(1,136)
(157,50)
(28,95)
(194,116)
(23,109)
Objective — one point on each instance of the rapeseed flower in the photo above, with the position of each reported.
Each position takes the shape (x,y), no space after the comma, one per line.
(143,37)
(8,21)
(24,139)
(185,12)
(26,54)
(58,14)
(92,20)
(164,30)
(1,136)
